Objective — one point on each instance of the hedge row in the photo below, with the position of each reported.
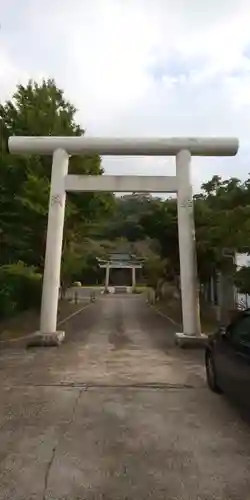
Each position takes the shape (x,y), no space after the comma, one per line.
(20,289)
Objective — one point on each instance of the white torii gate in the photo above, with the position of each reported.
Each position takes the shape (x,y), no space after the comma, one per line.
(62,148)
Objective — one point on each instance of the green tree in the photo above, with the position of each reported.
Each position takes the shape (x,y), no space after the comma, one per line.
(155,270)
(24,180)
(222,222)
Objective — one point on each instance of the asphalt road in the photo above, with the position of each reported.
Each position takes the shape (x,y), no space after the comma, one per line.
(117,412)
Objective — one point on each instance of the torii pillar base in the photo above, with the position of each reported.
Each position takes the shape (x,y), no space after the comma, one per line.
(39,339)
(186,340)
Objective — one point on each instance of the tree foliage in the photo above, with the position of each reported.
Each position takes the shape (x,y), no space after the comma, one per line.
(36,110)
(222,222)
(25,180)
(20,288)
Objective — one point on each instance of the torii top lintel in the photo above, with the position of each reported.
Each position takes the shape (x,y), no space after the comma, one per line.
(198,146)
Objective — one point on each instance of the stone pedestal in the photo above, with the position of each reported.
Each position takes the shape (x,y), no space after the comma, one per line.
(185,340)
(39,339)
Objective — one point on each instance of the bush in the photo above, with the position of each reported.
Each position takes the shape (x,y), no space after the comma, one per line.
(20,289)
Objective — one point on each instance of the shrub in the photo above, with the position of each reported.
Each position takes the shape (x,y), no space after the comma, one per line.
(20,288)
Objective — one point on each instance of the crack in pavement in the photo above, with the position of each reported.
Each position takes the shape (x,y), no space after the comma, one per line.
(53,454)
(140,385)
(48,468)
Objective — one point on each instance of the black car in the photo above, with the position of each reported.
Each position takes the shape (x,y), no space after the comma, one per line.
(227,359)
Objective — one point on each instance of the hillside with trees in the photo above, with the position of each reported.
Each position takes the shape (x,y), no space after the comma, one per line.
(97,223)
(24,192)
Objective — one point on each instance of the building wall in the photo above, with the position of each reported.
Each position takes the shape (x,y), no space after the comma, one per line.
(221,290)
(242,260)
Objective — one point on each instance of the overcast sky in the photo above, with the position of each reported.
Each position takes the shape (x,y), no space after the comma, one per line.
(139,68)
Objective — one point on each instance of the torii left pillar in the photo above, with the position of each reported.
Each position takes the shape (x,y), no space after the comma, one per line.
(48,334)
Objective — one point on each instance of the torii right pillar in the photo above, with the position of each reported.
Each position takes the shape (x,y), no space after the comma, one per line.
(133,278)
(187,251)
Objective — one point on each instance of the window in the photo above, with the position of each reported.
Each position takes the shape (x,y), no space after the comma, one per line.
(240,330)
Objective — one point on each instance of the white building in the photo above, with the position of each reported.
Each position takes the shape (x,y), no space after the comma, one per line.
(221,292)
(242,300)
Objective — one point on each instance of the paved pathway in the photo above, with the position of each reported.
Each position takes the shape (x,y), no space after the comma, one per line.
(117,412)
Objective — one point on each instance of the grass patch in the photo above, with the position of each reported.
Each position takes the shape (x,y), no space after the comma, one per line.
(28,321)
(172,308)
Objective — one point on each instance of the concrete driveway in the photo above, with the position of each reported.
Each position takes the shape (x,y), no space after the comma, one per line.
(117,412)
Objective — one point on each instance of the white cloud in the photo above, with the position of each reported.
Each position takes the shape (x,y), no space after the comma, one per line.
(9,75)
(106,54)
